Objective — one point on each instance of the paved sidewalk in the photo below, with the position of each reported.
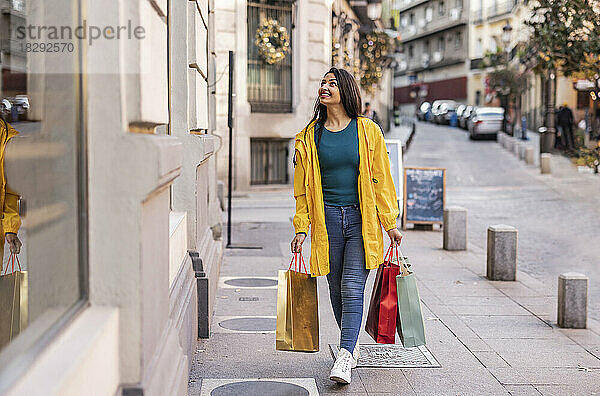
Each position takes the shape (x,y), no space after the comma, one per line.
(491,338)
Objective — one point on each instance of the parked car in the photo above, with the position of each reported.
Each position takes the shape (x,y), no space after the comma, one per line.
(435,109)
(423,110)
(486,121)
(464,117)
(21,102)
(446,112)
(5,108)
(460,109)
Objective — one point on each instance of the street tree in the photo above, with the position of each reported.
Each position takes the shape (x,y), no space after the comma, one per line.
(565,38)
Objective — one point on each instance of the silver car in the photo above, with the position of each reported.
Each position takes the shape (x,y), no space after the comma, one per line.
(486,121)
(436,108)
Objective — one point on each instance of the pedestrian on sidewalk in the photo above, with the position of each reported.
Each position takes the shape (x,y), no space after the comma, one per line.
(565,121)
(371,114)
(344,191)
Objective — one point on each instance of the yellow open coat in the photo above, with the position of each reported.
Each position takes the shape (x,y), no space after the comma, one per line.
(376,193)
(9,199)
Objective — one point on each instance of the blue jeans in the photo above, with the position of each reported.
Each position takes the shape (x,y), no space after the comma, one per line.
(347,272)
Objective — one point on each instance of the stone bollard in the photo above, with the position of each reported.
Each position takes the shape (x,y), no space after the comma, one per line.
(501,252)
(522,150)
(500,138)
(517,147)
(529,155)
(572,300)
(545,161)
(455,228)
(510,142)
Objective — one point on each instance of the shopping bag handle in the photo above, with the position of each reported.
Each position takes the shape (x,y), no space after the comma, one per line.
(297,264)
(401,261)
(11,261)
(389,255)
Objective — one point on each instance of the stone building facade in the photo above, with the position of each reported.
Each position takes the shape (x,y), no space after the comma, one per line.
(434,36)
(115,167)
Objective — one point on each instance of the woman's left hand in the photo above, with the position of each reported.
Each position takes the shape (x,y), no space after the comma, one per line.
(14,242)
(395,236)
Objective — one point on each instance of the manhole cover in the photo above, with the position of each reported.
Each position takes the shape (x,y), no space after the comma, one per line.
(259,388)
(249,324)
(392,356)
(251,282)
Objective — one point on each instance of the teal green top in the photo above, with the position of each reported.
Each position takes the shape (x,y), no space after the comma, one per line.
(338,160)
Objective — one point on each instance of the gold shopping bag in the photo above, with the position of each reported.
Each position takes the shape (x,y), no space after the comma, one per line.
(13,301)
(297,310)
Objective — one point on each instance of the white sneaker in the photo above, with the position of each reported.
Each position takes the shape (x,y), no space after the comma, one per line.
(342,368)
(355,355)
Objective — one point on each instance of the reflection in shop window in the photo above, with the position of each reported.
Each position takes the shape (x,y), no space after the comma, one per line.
(41,196)
(18,5)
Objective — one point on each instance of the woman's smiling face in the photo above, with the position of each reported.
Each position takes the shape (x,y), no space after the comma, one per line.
(329,92)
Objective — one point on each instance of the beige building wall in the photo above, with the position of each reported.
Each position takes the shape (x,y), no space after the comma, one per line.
(311,59)
(136,331)
(485,35)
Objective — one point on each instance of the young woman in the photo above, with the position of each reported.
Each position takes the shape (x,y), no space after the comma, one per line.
(344,191)
(9,199)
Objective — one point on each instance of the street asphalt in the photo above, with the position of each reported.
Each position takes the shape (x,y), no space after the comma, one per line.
(557,216)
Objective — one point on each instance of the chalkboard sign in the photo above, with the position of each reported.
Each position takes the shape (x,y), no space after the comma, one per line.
(424,195)
(394,150)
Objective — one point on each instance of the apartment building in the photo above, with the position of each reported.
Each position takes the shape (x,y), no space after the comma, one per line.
(496,32)
(434,62)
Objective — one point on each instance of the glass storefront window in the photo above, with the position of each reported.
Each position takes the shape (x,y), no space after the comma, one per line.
(42,174)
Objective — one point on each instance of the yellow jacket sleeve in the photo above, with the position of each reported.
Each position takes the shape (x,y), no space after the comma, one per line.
(385,192)
(11,221)
(301,217)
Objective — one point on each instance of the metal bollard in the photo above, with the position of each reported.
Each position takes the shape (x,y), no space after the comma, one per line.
(572,300)
(502,252)
(455,228)
(545,163)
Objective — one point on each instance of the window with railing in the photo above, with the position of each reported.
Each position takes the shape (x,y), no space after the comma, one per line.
(269,84)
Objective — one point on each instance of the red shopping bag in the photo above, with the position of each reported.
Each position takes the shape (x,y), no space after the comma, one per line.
(383,309)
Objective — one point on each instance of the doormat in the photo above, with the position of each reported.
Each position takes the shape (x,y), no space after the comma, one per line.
(392,356)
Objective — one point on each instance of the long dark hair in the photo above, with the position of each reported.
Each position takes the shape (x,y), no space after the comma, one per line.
(349,95)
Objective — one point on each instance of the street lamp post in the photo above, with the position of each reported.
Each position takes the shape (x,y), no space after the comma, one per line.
(506,36)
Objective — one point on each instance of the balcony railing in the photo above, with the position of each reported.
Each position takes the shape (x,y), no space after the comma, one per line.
(455,16)
(404,5)
(476,63)
(500,8)
(426,61)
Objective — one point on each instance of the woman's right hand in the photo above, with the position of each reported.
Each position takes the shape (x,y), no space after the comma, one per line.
(297,243)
